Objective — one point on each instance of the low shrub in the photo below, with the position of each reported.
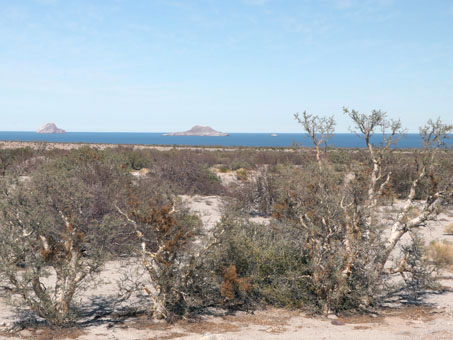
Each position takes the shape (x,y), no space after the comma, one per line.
(441,253)
(417,273)
(267,264)
(239,164)
(288,266)
(449,229)
(242,175)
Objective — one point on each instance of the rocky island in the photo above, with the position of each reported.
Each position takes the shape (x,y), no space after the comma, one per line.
(50,128)
(198,130)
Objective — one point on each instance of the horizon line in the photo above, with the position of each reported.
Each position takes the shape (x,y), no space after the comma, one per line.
(164,132)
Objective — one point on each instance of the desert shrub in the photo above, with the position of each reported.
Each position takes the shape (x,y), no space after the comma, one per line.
(338,156)
(164,242)
(417,273)
(449,229)
(15,159)
(187,176)
(344,248)
(302,260)
(290,266)
(52,232)
(341,248)
(250,158)
(441,253)
(445,168)
(405,168)
(242,175)
(276,157)
(270,259)
(178,169)
(232,285)
(259,195)
(240,164)
(402,174)
(136,159)
(223,169)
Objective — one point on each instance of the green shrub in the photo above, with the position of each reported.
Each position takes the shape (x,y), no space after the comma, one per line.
(418,275)
(240,164)
(269,259)
(57,223)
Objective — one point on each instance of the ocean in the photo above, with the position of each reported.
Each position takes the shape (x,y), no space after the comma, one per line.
(346,140)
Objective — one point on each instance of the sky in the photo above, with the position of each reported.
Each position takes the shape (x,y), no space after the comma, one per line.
(236,65)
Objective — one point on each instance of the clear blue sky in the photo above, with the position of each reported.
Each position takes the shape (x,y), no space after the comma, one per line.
(236,65)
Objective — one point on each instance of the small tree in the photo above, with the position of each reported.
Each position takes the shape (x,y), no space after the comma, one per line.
(319,129)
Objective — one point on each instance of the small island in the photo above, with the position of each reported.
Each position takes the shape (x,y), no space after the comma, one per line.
(198,130)
(50,128)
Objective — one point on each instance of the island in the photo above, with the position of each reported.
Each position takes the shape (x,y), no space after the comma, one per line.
(198,130)
(50,128)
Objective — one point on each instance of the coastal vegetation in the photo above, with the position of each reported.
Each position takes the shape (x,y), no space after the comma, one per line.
(324,242)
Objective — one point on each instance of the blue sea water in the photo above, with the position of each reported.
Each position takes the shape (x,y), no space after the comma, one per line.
(346,140)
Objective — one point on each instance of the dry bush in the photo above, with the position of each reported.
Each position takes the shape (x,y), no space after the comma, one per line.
(441,253)
(133,159)
(242,175)
(164,243)
(449,229)
(266,193)
(233,287)
(187,176)
(17,160)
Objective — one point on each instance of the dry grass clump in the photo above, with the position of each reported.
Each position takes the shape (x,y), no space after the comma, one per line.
(441,253)
(449,229)
(412,213)
(241,174)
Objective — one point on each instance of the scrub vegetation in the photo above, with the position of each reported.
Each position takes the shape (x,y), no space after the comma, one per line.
(326,246)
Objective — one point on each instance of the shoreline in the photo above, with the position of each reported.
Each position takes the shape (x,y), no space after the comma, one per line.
(102,146)
(36,145)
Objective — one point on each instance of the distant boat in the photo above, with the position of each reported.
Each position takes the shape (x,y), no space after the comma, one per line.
(274,135)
